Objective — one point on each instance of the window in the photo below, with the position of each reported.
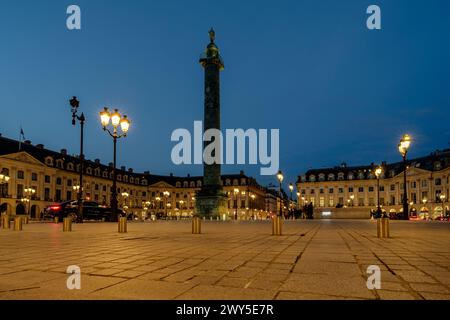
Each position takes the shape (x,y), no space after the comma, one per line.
(227,182)
(321,177)
(192,184)
(321,190)
(20,191)
(312,191)
(424,195)
(70,166)
(321,202)
(361,189)
(303,191)
(340,176)
(144,193)
(437,181)
(331,190)
(49,161)
(424,183)
(392,187)
(330,177)
(361,202)
(381,201)
(69,182)
(370,189)
(20,174)
(341,190)
(96,187)
(104,188)
(350,176)
(34,176)
(47,194)
(59,163)
(97,172)
(105,174)
(119,177)
(413,184)
(58,195)
(178,184)
(331,202)
(242,203)
(199,183)
(185,184)
(58,181)
(361,175)
(312,178)
(371,201)
(69,195)
(381,188)
(341,201)
(350,189)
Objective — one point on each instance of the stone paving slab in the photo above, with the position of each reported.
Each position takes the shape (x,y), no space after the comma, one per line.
(318,259)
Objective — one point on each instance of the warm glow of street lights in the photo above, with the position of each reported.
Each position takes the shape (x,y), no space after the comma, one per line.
(104,117)
(280,176)
(4,178)
(378,172)
(405,143)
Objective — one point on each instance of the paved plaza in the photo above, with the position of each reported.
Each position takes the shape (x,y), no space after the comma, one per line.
(314,259)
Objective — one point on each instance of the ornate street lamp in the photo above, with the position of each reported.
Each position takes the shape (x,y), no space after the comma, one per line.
(125,196)
(29,192)
(444,211)
(236,192)
(166,194)
(280,178)
(403,146)
(378,172)
(291,188)
(74,104)
(298,200)
(106,117)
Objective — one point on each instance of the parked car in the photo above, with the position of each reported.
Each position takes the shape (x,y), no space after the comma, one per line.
(91,211)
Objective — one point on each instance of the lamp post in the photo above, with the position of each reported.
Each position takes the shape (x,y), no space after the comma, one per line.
(280,178)
(166,195)
(74,103)
(298,200)
(125,196)
(291,188)
(29,192)
(444,211)
(352,197)
(403,146)
(378,172)
(116,119)
(3,180)
(252,197)
(236,192)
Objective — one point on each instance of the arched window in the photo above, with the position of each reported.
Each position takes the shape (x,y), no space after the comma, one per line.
(97,172)
(312,178)
(331,177)
(199,183)
(350,176)
(59,163)
(178,184)
(227,182)
(70,166)
(185,184)
(321,177)
(89,170)
(119,177)
(49,161)
(105,174)
(235,182)
(340,176)
(361,175)
(192,184)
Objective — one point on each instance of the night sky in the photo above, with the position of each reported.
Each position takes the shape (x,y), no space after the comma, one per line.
(336,90)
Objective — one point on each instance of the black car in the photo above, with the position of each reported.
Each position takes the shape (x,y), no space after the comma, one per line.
(91,211)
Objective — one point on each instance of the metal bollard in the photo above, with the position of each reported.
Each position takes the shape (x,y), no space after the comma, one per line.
(67,225)
(385,222)
(379,228)
(276,226)
(56,220)
(196,225)
(5,222)
(122,224)
(18,224)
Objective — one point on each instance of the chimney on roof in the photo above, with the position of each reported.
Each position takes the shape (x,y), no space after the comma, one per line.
(171,174)
(97,161)
(241,172)
(189,175)
(123,168)
(110,164)
(130,170)
(64,152)
(40,146)
(343,165)
(27,142)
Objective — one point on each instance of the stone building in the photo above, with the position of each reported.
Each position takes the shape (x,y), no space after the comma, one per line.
(350,187)
(54,177)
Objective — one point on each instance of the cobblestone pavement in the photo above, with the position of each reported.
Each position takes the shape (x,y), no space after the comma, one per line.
(231,260)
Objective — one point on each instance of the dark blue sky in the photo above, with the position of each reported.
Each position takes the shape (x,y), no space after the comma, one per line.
(336,90)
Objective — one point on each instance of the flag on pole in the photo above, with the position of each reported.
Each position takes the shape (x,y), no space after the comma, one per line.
(21,136)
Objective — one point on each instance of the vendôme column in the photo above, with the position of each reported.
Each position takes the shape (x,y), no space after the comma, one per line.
(211,201)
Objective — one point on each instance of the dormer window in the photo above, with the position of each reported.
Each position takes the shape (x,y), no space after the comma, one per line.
(312,178)
(144,182)
(70,166)
(243,182)
(119,177)
(437,165)
(331,177)
(185,184)
(105,174)
(131,180)
(49,161)
(340,176)
(178,184)
(136,181)
(97,172)
(321,177)
(199,183)
(192,184)
(235,182)
(227,182)
(89,170)
(59,163)
(350,176)
(361,175)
